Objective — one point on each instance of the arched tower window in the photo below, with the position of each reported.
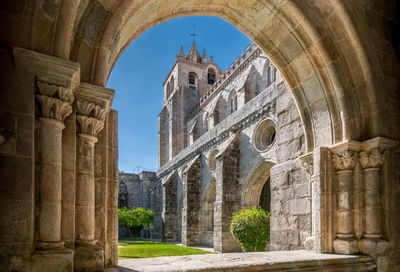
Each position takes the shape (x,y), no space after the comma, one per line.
(210,76)
(233,103)
(192,81)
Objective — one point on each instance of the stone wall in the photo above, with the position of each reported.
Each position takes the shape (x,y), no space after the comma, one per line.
(290,206)
(135,190)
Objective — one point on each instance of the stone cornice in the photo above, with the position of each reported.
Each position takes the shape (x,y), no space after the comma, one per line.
(98,95)
(47,68)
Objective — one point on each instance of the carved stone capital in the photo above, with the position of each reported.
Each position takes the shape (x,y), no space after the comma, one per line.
(307,163)
(92,105)
(89,125)
(55,101)
(344,159)
(372,158)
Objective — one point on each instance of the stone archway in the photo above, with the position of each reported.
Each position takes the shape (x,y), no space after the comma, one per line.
(252,191)
(337,57)
(316,68)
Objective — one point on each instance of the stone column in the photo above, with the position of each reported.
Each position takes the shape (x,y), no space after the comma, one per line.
(344,159)
(227,198)
(372,161)
(55,102)
(92,106)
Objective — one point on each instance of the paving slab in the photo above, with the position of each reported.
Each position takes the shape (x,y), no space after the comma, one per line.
(296,260)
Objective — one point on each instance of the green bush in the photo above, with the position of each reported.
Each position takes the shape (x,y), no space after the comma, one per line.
(135,219)
(251,229)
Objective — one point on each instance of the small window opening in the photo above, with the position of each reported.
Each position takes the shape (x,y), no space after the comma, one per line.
(192,81)
(233,103)
(210,76)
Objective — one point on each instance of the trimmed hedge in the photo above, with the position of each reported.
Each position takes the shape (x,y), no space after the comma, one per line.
(251,229)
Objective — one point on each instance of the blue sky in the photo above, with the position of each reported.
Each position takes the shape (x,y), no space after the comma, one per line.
(138,75)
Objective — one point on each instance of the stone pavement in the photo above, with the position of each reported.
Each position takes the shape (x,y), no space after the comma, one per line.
(258,261)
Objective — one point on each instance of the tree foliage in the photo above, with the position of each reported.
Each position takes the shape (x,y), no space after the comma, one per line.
(251,229)
(135,219)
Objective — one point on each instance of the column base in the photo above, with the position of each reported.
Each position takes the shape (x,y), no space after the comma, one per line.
(372,247)
(345,246)
(40,245)
(88,256)
(55,259)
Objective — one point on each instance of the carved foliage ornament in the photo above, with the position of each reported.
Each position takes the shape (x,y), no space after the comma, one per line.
(90,117)
(91,110)
(372,158)
(89,125)
(55,101)
(344,160)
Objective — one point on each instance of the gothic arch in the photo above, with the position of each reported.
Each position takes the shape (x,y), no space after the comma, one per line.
(336,76)
(254,185)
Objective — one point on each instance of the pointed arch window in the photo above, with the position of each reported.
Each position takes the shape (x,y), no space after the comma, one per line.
(168,90)
(234,102)
(269,76)
(172,84)
(275,73)
(210,76)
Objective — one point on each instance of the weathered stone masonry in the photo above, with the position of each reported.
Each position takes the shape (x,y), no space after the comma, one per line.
(340,60)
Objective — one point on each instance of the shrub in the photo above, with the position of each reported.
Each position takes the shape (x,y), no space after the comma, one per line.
(135,219)
(251,229)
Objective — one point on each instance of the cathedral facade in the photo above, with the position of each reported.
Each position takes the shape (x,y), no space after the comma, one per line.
(220,134)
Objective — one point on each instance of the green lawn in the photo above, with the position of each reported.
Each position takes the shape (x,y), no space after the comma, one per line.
(138,248)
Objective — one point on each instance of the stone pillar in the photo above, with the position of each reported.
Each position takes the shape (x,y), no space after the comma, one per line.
(371,163)
(227,200)
(55,102)
(344,159)
(191,204)
(170,207)
(92,106)
(372,160)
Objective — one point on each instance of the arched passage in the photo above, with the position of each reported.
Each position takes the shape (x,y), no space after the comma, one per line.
(255,184)
(297,39)
(332,55)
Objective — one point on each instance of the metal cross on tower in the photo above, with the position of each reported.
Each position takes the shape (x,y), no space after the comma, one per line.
(194,34)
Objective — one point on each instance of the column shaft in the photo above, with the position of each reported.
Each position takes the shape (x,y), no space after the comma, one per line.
(50,181)
(345,222)
(372,203)
(85,191)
